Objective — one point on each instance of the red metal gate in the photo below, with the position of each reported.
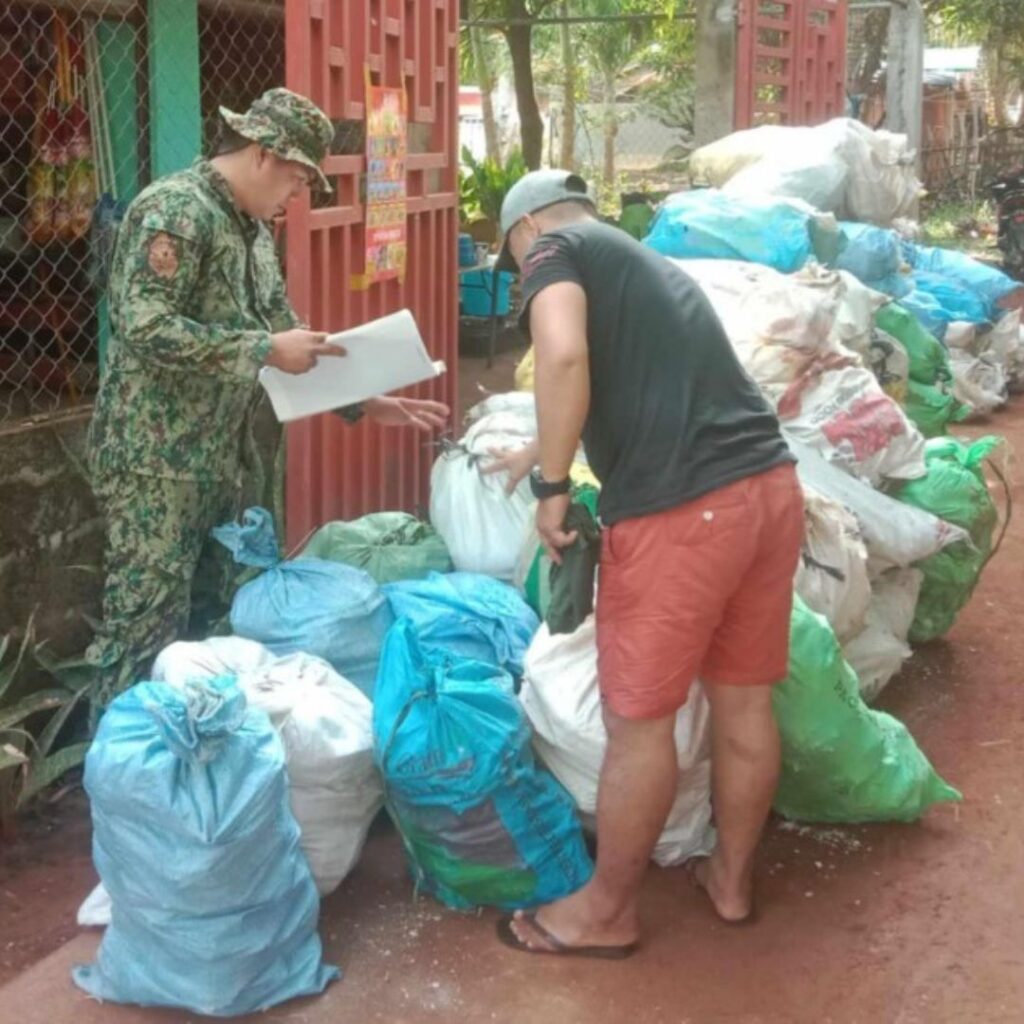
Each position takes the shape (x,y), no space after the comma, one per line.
(790,62)
(336,471)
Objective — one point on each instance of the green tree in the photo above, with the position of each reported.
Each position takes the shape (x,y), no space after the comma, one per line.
(516,22)
(998,26)
(609,48)
(480,64)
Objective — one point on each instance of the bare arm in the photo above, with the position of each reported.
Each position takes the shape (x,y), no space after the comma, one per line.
(558,326)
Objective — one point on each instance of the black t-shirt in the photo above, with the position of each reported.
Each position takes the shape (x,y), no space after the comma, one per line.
(673,414)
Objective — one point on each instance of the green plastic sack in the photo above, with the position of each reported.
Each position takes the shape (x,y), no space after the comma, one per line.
(390,546)
(932,407)
(538,582)
(636,219)
(929,361)
(842,761)
(954,489)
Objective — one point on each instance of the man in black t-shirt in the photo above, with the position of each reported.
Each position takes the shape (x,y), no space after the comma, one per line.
(702,519)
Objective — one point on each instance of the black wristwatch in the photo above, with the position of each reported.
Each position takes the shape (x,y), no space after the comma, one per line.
(545,488)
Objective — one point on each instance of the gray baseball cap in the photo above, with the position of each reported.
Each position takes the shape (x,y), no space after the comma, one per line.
(534,192)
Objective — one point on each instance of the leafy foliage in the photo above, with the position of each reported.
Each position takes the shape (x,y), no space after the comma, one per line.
(485,183)
(31,758)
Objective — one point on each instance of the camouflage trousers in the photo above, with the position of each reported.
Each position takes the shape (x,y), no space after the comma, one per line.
(166,578)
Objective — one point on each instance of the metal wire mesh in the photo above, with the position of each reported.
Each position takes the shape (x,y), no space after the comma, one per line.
(76,140)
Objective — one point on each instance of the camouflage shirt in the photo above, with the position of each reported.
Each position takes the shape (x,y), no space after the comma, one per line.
(195,293)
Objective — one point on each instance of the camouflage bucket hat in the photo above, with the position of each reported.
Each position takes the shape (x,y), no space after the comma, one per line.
(289,126)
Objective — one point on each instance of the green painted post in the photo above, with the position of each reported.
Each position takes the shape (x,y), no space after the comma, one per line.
(118,61)
(175,115)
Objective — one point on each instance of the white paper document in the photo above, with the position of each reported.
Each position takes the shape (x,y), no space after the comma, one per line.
(383,355)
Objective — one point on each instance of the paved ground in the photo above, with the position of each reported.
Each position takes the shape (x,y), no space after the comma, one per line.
(896,924)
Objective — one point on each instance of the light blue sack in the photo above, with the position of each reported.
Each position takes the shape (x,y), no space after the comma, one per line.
(988,283)
(928,311)
(468,616)
(874,257)
(326,609)
(705,224)
(214,909)
(482,825)
(954,300)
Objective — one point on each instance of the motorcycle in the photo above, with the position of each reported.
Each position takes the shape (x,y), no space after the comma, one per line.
(1008,195)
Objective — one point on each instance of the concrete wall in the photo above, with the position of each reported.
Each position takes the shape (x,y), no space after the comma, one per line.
(48,524)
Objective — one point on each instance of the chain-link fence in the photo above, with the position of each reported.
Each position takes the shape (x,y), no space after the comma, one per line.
(96,97)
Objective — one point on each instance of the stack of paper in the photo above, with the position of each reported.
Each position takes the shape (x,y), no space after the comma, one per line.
(383,355)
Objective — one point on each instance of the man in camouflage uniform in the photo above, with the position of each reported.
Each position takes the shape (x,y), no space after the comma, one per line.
(198,306)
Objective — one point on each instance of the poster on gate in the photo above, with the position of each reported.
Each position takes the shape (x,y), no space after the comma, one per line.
(386,139)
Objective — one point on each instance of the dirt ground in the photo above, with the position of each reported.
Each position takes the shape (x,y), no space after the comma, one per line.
(913,924)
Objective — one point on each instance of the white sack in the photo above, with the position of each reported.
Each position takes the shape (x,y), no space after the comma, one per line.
(855,317)
(483,527)
(818,177)
(561,698)
(846,416)
(520,404)
(978,381)
(880,184)
(895,534)
(325,725)
(888,360)
(832,578)
(181,663)
(778,324)
(878,651)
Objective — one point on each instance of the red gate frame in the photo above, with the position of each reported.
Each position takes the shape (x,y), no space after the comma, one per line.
(790,62)
(335,471)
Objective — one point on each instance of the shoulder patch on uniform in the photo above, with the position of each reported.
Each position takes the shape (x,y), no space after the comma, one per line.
(162,255)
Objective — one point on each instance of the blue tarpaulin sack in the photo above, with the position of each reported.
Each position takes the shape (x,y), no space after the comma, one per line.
(326,609)
(954,300)
(214,909)
(874,257)
(468,615)
(988,283)
(705,224)
(928,311)
(482,825)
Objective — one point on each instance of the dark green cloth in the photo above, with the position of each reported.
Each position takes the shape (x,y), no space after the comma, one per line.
(572,582)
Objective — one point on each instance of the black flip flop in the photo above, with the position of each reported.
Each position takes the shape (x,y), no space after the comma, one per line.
(558,948)
(690,867)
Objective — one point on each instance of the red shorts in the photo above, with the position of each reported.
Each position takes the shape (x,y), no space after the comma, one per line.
(703,590)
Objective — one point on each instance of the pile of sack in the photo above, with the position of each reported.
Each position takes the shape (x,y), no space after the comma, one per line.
(447,671)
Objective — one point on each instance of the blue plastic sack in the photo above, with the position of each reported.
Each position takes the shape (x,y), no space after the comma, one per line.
(705,224)
(873,255)
(326,609)
(928,311)
(870,253)
(469,616)
(214,909)
(954,300)
(988,283)
(482,825)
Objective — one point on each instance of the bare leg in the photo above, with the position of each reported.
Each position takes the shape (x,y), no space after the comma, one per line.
(638,785)
(745,757)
